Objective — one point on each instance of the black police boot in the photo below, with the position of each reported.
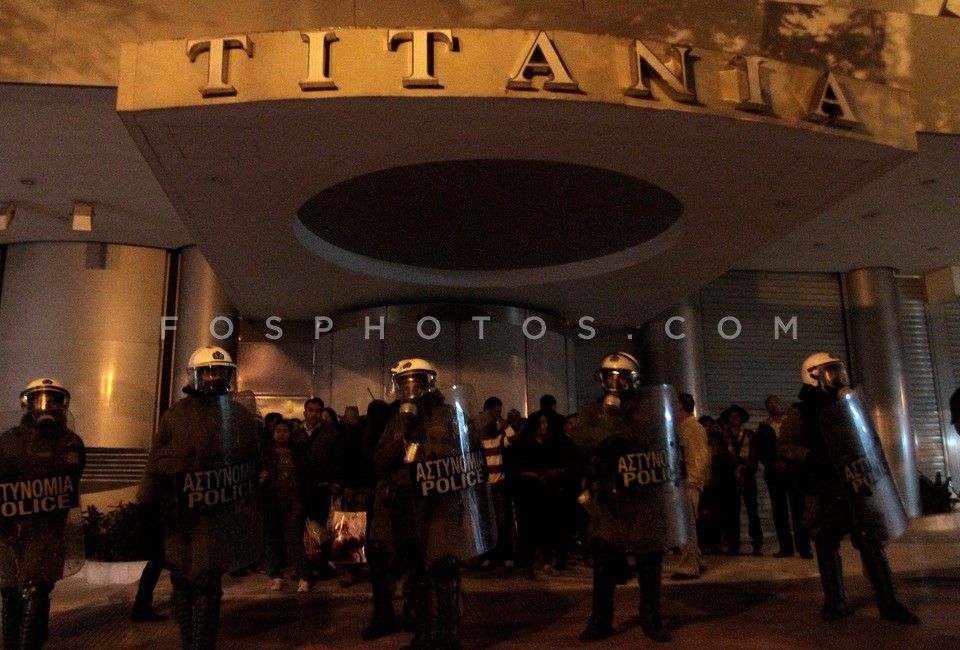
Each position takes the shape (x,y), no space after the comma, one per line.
(206,611)
(382,622)
(206,618)
(878,569)
(831,578)
(183,612)
(12,617)
(183,595)
(36,614)
(421,596)
(409,616)
(446,580)
(605,566)
(649,566)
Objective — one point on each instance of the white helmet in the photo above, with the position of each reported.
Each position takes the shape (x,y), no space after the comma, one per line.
(618,371)
(824,371)
(413,378)
(212,370)
(45,394)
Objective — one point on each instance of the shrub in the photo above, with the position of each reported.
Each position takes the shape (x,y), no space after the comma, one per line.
(121,535)
(936,496)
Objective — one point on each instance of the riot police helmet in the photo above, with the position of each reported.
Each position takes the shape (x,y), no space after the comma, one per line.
(212,371)
(44,394)
(825,371)
(618,371)
(414,378)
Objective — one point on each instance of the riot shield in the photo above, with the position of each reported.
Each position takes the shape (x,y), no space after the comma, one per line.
(41,528)
(862,466)
(452,501)
(654,510)
(595,423)
(214,457)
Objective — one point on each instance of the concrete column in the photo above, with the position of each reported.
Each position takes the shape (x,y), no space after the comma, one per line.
(672,351)
(877,370)
(87,314)
(201,301)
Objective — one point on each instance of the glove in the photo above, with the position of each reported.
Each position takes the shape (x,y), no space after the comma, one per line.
(414,434)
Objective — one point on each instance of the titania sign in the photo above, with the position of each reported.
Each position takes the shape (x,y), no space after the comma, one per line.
(504,64)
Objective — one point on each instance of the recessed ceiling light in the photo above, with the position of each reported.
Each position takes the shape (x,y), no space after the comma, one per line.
(82,217)
(7,215)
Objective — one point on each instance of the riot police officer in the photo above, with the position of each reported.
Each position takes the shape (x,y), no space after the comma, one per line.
(638,499)
(41,539)
(204,472)
(828,431)
(433,506)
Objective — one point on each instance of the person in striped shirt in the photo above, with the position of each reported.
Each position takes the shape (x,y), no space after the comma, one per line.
(497,435)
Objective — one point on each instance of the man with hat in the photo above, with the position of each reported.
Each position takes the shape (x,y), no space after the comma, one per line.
(743,459)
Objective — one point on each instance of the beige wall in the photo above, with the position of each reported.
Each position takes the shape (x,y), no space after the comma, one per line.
(87,314)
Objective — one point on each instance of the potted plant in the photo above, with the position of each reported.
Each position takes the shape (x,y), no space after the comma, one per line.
(115,544)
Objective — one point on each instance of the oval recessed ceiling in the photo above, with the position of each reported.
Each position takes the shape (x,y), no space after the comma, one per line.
(489,222)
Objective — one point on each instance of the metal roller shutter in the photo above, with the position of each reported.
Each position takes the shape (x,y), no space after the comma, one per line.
(919,377)
(758,362)
(949,381)
(952,312)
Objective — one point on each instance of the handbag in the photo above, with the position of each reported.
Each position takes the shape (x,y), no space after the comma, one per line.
(314,536)
(348,532)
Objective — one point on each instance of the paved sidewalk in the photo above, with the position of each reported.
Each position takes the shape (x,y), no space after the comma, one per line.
(741,602)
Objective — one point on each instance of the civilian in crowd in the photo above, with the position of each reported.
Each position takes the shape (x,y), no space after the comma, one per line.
(283,479)
(496,435)
(534,463)
(572,518)
(516,420)
(710,513)
(151,515)
(358,441)
(548,408)
(786,499)
(742,460)
(319,441)
(330,416)
(696,450)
